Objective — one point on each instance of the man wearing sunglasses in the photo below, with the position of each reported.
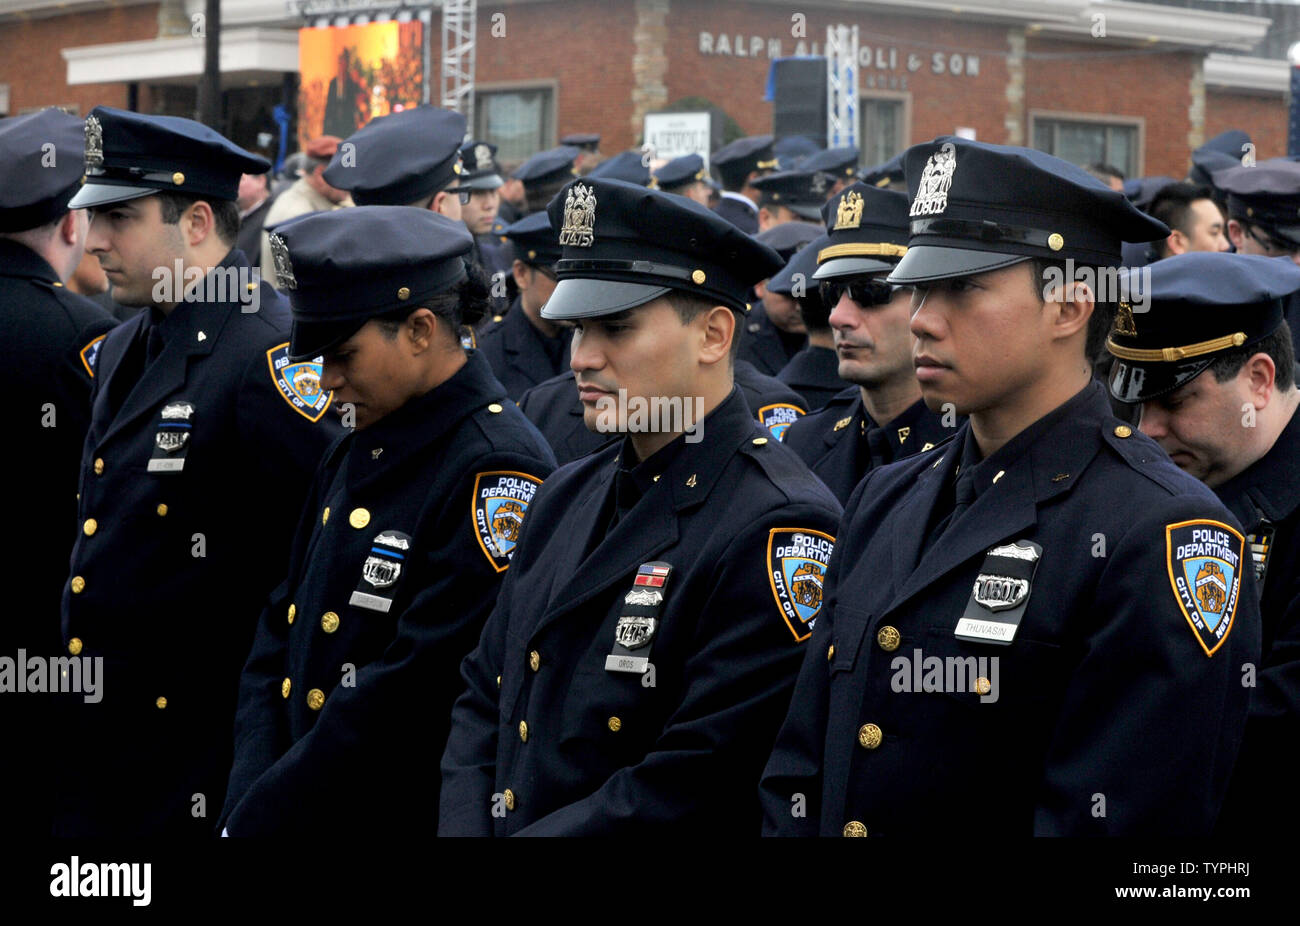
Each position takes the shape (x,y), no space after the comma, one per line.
(882,417)
(1088,604)
(522,347)
(411,158)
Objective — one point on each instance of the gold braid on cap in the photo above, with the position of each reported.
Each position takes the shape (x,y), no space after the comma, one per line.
(1174,354)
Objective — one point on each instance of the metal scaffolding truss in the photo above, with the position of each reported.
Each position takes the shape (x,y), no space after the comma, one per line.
(458,19)
(841,86)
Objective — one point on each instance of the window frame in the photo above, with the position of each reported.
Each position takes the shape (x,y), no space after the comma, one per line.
(1137,123)
(905,124)
(549,133)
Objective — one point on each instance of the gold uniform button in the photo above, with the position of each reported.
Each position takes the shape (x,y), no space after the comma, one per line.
(99,466)
(615,725)
(359,518)
(830,652)
(315,699)
(90,526)
(1055,241)
(161,703)
(74,646)
(404,293)
(178,178)
(869,736)
(329,622)
(162,510)
(293,612)
(888,638)
(523,731)
(325,516)
(698,277)
(983,686)
(855,829)
(284,688)
(494,408)
(760,441)
(534,660)
(498,681)
(1123,430)
(510,799)
(78,584)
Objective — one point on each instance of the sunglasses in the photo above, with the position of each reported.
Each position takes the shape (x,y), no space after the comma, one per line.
(865,292)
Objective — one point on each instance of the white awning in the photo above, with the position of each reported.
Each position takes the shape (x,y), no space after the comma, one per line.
(247,56)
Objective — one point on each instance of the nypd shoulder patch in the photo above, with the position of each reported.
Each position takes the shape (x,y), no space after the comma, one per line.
(298,383)
(796,569)
(501,500)
(778,417)
(90,354)
(1205,559)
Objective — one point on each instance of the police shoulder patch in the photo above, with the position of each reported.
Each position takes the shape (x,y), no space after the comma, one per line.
(778,417)
(298,383)
(90,354)
(796,569)
(1204,558)
(501,499)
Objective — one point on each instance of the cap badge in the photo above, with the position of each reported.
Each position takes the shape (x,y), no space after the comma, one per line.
(94,144)
(283,266)
(483,157)
(579,217)
(818,184)
(936,179)
(1124,322)
(849,212)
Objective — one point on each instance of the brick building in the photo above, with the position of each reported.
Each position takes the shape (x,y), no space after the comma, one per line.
(1136,84)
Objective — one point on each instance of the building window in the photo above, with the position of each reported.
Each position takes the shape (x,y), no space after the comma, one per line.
(1089,142)
(884,130)
(519,121)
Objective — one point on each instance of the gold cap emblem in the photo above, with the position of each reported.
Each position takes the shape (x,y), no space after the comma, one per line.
(94,145)
(1124,321)
(936,180)
(849,212)
(283,266)
(579,217)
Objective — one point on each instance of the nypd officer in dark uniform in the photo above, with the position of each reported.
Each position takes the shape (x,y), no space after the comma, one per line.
(883,417)
(479,212)
(739,164)
(642,649)
(402,544)
(1212,365)
(202,440)
(814,371)
(840,165)
(523,347)
(770,339)
(1038,626)
(47,366)
(684,176)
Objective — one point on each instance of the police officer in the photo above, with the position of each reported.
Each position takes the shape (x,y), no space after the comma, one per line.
(47,366)
(642,649)
(774,331)
(398,555)
(839,164)
(409,158)
(685,176)
(628,166)
(479,212)
(882,418)
(588,145)
(544,174)
(790,196)
(203,437)
(1212,364)
(739,164)
(1107,583)
(523,347)
(814,371)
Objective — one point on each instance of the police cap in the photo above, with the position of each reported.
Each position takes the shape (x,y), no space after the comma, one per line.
(40,168)
(401,158)
(867,227)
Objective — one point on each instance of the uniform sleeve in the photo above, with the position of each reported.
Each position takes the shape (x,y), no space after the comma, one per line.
(364,725)
(1150,725)
(737,686)
(790,791)
(283,443)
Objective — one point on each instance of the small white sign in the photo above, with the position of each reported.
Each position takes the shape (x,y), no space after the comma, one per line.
(671,135)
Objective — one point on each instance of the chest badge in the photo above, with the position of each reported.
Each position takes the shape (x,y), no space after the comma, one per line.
(639,621)
(1001,594)
(381,570)
(172,439)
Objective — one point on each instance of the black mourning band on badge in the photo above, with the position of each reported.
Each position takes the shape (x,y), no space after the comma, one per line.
(987,231)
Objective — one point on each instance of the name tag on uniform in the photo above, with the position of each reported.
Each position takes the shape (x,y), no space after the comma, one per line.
(171,442)
(1001,594)
(639,622)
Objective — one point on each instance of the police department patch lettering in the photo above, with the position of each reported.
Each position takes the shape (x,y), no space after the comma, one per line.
(90,354)
(500,501)
(1205,562)
(777,418)
(796,569)
(299,383)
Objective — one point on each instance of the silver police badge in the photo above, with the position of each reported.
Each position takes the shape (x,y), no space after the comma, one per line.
(483,157)
(650,597)
(173,439)
(283,266)
(94,145)
(635,632)
(380,572)
(1000,593)
(936,179)
(579,217)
